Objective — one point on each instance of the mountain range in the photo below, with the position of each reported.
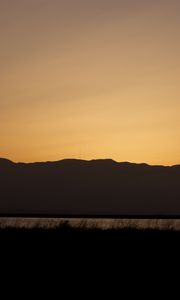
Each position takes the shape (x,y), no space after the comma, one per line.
(103,187)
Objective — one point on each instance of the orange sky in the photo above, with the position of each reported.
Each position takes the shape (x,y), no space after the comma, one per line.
(90,79)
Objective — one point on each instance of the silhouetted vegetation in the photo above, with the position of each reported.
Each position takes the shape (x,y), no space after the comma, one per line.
(67,233)
(73,248)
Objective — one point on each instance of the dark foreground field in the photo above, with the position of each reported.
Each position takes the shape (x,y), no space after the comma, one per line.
(73,250)
(69,238)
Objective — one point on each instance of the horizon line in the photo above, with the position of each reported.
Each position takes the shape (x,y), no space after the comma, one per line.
(89,160)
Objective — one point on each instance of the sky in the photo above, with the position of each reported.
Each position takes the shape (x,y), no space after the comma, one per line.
(90,79)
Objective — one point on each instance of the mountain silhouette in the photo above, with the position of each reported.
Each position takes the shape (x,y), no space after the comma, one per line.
(92,188)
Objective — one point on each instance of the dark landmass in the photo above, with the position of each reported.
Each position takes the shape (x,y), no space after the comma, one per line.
(123,243)
(76,253)
(89,188)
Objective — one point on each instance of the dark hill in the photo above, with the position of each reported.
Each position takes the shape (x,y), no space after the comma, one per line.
(5,162)
(97,187)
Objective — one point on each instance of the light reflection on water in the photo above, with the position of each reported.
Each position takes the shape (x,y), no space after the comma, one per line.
(103,224)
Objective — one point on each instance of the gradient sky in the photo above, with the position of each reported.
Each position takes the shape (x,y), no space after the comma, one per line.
(90,79)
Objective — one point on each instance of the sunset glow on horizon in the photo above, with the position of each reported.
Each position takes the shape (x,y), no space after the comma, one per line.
(90,79)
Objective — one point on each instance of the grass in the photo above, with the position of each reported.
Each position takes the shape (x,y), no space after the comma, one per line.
(66,233)
(72,246)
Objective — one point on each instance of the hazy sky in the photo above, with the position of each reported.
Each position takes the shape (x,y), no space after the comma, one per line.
(90,79)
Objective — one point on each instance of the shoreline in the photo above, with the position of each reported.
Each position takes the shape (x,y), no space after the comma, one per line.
(89,223)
